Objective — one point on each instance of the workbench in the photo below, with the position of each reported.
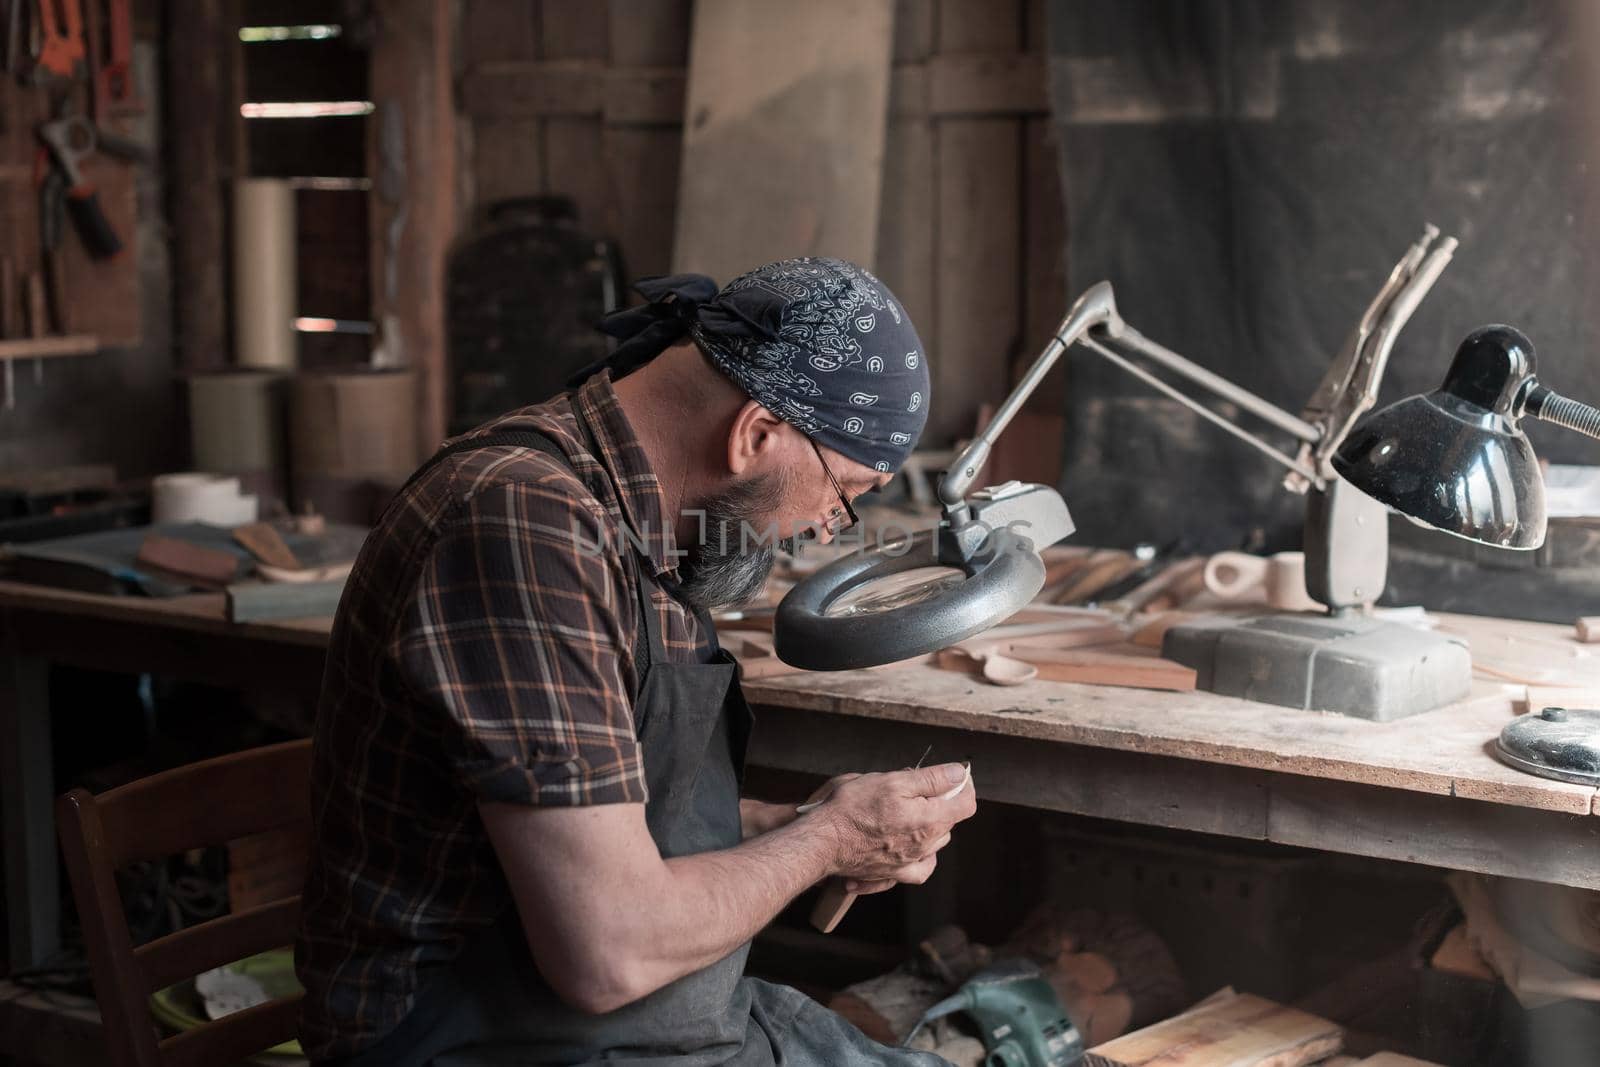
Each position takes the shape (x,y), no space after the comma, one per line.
(1423,789)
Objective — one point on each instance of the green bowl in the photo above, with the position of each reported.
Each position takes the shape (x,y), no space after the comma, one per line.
(180,1007)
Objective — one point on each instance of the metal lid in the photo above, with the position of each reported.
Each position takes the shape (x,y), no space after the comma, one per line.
(1559,743)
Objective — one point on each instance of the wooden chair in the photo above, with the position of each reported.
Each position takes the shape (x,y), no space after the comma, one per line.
(203,804)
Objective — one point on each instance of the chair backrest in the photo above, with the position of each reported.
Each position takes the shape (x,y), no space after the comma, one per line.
(202,804)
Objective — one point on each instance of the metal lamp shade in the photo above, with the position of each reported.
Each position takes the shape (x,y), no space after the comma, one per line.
(1455,459)
(1436,463)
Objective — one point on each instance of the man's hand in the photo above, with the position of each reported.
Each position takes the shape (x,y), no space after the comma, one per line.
(889,827)
(609,921)
(758,817)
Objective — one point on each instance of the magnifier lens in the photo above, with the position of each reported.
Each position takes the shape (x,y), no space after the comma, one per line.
(895,591)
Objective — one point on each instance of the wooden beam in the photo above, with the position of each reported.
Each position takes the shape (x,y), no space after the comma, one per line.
(943,87)
(1291,809)
(1003,84)
(196,81)
(1450,832)
(411,153)
(32,896)
(77,344)
(575,87)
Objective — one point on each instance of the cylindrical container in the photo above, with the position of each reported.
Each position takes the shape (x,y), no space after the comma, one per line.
(264,276)
(237,426)
(352,440)
(196,496)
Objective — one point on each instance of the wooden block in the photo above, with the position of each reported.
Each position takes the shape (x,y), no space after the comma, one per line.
(1101,575)
(1221,996)
(1588,629)
(1538,697)
(1242,1031)
(1121,665)
(1104,1016)
(1152,633)
(831,905)
(1089,971)
(266,545)
(207,566)
(1455,955)
(262,601)
(1060,633)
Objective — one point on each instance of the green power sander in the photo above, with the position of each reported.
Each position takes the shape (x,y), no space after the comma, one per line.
(1022,1021)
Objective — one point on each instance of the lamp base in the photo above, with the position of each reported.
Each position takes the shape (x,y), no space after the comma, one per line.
(1356,665)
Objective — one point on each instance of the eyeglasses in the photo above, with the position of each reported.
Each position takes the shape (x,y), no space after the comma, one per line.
(849,511)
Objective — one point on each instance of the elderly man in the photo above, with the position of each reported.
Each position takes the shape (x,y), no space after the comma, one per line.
(530,846)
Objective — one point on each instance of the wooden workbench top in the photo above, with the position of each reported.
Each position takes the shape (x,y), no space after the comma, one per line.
(1443,752)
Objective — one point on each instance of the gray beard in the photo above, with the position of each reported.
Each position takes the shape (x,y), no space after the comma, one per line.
(732,562)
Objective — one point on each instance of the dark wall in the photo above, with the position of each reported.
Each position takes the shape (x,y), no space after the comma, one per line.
(1246,173)
(122,405)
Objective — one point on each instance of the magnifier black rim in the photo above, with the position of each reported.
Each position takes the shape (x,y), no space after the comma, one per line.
(1001,578)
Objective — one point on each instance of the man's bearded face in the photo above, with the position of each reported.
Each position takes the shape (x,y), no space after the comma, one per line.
(739,545)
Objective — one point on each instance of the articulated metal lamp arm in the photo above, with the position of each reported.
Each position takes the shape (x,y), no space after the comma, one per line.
(1095,307)
(1096,310)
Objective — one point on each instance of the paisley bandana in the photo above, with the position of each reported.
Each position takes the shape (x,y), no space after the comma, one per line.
(819,342)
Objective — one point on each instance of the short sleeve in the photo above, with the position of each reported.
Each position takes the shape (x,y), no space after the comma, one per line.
(512,639)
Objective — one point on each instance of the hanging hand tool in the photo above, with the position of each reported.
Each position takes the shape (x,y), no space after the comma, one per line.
(60,42)
(110,70)
(70,141)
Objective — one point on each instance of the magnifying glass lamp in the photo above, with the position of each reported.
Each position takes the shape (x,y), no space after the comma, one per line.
(1457,460)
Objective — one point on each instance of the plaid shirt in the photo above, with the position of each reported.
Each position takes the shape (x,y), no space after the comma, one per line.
(483,651)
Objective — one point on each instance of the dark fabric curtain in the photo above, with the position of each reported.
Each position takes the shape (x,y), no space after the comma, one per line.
(1246,173)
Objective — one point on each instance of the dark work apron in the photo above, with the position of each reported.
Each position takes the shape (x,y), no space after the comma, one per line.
(492,1007)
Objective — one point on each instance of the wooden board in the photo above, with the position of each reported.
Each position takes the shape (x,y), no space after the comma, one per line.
(1045,294)
(266,544)
(978,272)
(507,159)
(1123,665)
(1538,697)
(783,157)
(1241,1031)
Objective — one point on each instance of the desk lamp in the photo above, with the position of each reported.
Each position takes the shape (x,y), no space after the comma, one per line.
(1456,460)
(924,592)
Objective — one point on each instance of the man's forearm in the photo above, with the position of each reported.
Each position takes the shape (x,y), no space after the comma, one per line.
(713,902)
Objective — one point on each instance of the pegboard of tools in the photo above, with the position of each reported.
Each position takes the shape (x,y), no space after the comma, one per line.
(70,115)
